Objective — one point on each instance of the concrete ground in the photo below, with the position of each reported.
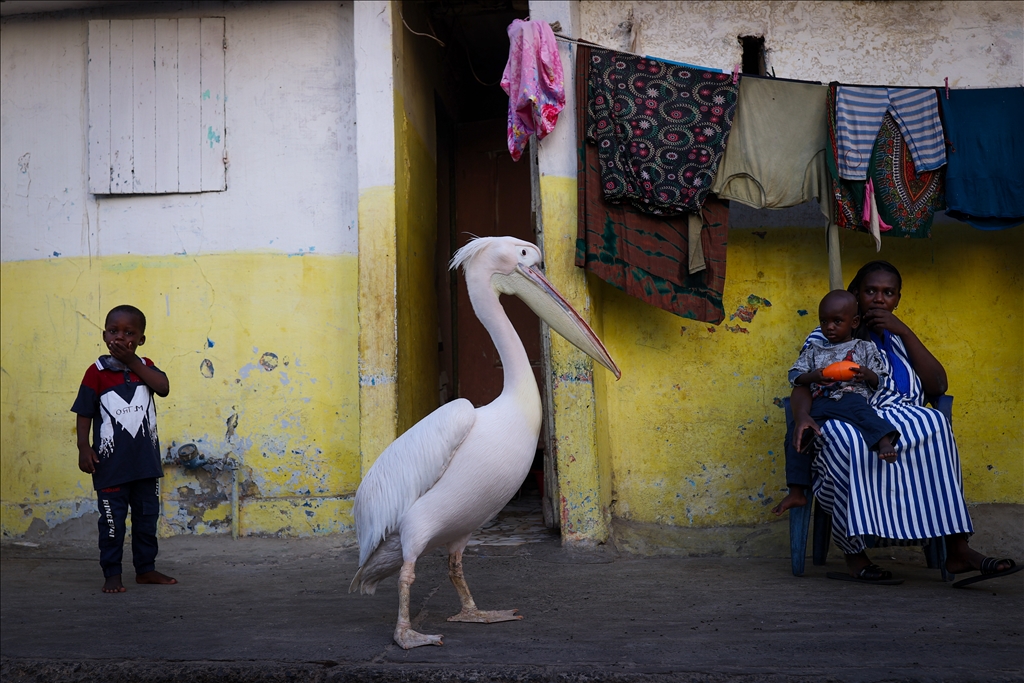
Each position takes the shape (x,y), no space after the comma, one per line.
(265,609)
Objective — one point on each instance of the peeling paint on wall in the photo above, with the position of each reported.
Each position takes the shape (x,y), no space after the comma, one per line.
(747,311)
(296,439)
(268,361)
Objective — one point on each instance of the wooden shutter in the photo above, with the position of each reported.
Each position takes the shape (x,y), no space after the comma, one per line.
(156,106)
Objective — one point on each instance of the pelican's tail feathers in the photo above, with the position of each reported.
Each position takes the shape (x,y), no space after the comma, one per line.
(385,560)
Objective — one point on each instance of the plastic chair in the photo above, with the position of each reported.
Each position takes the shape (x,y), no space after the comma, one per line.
(800,517)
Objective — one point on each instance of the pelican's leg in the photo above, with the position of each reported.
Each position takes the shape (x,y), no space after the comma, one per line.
(469,611)
(404,635)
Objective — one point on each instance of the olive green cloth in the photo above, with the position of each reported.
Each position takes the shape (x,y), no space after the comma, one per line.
(775,156)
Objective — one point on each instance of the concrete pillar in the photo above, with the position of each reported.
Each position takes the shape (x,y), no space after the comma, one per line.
(375,150)
(582,481)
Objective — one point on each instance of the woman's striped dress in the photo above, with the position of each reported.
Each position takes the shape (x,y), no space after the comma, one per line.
(872,502)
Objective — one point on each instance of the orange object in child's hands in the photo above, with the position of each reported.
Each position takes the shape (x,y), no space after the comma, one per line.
(842,371)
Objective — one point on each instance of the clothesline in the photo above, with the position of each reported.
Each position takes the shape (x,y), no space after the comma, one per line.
(556,27)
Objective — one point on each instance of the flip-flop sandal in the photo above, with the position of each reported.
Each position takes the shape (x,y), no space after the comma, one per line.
(989,571)
(869,574)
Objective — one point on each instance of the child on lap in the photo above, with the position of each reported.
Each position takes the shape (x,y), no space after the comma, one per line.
(116,399)
(836,400)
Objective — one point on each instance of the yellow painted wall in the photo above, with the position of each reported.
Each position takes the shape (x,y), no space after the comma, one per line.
(378,363)
(416,78)
(694,431)
(279,333)
(416,221)
(583,466)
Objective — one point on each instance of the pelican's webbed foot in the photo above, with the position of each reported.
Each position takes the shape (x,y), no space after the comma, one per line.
(479,616)
(404,635)
(469,611)
(408,639)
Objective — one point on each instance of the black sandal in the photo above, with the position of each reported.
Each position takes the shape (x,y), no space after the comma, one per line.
(869,574)
(989,571)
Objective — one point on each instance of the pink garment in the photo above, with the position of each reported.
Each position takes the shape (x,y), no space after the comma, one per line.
(872,219)
(534,83)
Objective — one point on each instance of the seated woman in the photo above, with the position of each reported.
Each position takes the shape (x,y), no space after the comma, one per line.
(917,497)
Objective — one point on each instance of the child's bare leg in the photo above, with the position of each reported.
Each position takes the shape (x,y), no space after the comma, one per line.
(113,584)
(797,496)
(154,577)
(886,451)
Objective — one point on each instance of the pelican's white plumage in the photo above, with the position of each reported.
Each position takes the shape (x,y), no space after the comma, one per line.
(457,468)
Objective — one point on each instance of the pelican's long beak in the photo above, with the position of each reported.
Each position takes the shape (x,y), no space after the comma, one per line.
(541,296)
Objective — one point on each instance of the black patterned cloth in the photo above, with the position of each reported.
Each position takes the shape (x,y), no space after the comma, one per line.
(660,129)
(646,256)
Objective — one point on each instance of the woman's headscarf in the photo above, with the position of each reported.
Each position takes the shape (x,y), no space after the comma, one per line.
(900,375)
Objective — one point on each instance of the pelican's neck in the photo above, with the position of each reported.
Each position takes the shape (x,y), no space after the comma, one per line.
(514,361)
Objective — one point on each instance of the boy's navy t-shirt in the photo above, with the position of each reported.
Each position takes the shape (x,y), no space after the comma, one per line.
(124,423)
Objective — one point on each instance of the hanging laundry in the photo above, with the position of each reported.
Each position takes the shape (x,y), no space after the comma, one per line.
(859,114)
(905,199)
(869,216)
(985,179)
(660,129)
(776,152)
(534,83)
(648,257)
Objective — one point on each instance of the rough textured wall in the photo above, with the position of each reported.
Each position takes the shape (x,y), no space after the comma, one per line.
(975,44)
(694,427)
(696,423)
(250,292)
(417,78)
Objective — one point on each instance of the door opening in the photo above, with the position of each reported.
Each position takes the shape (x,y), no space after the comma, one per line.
(482,192)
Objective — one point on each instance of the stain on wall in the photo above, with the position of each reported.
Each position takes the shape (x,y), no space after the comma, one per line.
(975,44)
(695,425)
(295,440)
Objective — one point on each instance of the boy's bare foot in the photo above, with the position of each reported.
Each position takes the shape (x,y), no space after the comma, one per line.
(794,499)
(154,577)
(113,584)
(886,451)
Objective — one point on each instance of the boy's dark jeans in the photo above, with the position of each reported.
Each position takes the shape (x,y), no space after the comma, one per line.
(850,408)
(142,496)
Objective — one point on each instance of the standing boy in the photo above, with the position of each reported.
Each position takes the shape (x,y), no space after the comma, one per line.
(833,399)
(116,399)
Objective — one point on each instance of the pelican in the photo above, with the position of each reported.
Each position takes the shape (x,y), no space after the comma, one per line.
(456,468)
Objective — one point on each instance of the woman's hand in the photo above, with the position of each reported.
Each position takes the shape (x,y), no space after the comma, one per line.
(878,319)
(800,404)
(928,368)
(802,424)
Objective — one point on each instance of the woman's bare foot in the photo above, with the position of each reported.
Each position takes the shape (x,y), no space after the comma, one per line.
(794,499)
(886,451)
(113,584)
(968,559)
(154,577)
(856,563)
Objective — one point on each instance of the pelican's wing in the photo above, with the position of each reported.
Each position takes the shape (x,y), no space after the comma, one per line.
(406,470)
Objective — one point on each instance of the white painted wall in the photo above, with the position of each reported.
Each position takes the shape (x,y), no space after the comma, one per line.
(975,44)
(291,142)
(375,84)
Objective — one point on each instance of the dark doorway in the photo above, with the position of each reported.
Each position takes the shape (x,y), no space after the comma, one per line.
(481,192)
(492,198)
